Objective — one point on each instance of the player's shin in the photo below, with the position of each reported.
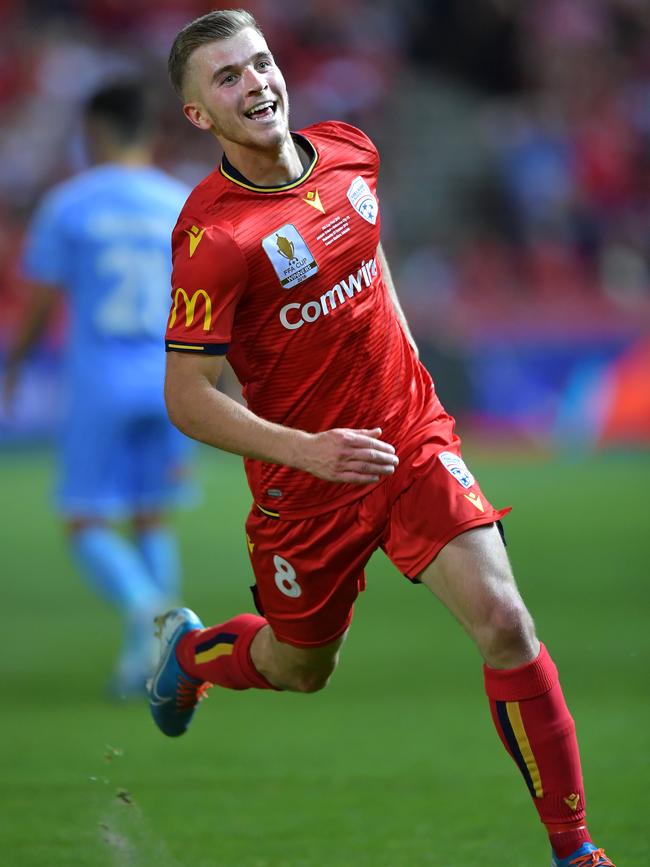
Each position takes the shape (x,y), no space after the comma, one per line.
(221,654)
(536,728)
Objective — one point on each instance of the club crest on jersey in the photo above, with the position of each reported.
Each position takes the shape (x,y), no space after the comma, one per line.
(457,467)
(362,200)
(290,256)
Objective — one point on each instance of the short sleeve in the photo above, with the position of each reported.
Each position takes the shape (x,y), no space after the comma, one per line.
(209,276)
(45,252)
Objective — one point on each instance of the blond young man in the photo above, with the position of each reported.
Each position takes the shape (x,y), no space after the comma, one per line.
(278,266)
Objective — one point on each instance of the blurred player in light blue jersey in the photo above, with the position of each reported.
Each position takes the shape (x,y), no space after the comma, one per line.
(103,239)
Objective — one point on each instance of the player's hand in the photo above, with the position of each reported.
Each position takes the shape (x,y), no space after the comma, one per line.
(345,455)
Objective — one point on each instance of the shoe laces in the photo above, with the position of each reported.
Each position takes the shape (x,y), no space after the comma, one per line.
(189,692)
(595,858)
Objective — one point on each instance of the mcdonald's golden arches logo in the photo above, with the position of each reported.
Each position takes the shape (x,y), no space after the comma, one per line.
(190,306)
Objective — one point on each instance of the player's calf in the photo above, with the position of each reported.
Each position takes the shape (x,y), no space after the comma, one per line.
(298,669)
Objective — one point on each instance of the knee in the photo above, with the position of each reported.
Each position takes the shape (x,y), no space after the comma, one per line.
(508,633)
(309,680)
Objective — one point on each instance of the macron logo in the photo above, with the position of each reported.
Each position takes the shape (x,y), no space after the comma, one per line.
(195,234)
(293,316)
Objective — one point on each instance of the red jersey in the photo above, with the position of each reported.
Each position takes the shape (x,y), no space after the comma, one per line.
(286,282)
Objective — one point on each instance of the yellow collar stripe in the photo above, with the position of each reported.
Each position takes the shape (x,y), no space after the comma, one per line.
(281,189)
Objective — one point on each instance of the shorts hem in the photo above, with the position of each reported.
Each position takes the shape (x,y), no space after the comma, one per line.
(436,548)
(298,643)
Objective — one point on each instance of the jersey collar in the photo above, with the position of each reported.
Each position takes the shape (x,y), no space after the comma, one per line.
(231,173)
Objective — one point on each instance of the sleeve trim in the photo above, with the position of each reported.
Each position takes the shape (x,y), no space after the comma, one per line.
(197,348)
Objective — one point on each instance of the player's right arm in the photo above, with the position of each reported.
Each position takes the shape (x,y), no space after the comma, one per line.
(202,412)
(43,298)
(43,269)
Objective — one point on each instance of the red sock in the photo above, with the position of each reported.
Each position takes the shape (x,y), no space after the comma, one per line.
(221,654)
(536,728)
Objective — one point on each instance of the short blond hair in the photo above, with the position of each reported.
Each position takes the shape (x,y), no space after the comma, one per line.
(216,25)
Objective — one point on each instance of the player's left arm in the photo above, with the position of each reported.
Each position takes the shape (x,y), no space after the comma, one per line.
(390,285)
(43,298)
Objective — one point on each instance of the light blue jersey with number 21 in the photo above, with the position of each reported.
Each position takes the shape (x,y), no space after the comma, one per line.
(104,239)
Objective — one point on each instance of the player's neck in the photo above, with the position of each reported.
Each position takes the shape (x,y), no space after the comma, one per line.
(135,156)
(269,168)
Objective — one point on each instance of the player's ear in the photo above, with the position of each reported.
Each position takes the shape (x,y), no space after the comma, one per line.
(195,114)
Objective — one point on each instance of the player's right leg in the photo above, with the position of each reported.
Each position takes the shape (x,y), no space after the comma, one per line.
(242,653)
(308,574)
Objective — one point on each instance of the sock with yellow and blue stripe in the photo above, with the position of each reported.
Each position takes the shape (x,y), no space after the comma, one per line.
(221,654)
(536,728)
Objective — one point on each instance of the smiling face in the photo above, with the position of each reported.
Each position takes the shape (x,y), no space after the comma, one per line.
(234,89)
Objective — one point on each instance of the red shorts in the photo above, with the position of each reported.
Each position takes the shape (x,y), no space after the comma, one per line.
(310,571)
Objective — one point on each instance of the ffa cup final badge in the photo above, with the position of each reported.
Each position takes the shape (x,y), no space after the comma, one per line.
(290,256)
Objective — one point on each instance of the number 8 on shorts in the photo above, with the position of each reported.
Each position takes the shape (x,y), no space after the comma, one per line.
(285,577)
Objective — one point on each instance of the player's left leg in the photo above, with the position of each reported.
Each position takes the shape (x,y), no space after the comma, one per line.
(443,532)
(471,575)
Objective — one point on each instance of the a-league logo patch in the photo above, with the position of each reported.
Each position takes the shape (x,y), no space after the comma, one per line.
(290,256)
(362,200)
(456,466)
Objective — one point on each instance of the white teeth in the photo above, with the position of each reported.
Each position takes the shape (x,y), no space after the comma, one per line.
(261,107)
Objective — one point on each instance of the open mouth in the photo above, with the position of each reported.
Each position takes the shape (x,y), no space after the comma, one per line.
(263,110)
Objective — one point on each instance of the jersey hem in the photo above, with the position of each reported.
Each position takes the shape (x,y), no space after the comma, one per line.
(321,508)
(411,443)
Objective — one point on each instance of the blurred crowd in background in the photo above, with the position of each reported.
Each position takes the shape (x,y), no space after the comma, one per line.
(515,185)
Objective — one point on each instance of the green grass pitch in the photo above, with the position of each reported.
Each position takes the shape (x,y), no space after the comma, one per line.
(396,764)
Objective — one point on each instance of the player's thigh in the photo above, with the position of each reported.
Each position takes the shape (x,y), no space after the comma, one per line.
(309,572)
(472,576)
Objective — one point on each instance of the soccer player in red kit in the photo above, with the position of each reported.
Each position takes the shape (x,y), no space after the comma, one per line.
(278,265)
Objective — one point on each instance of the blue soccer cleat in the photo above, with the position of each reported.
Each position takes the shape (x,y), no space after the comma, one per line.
(587,855)
(173,695)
